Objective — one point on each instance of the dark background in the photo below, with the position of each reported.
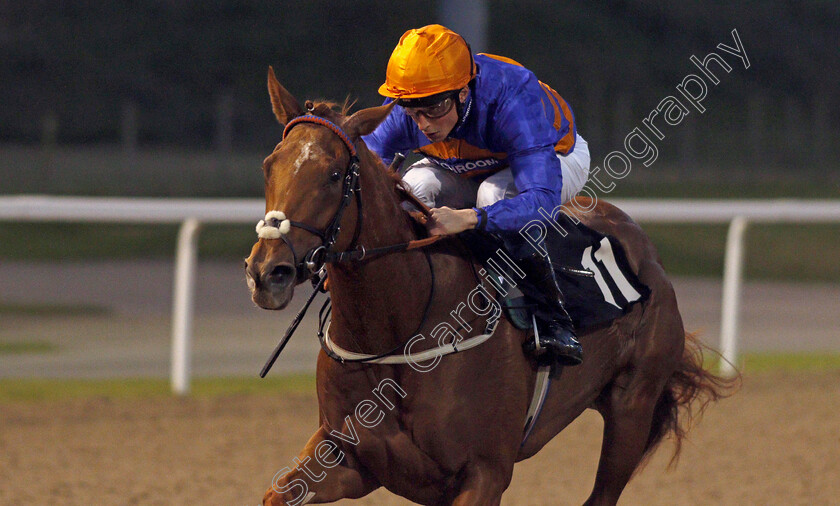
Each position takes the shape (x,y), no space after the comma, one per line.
(134,84)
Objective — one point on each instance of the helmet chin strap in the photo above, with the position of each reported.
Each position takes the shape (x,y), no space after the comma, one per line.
(463,109)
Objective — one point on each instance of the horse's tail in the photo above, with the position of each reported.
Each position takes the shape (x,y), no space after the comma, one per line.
(688,392)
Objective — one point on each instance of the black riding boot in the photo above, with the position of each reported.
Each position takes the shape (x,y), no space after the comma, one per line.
(557,340)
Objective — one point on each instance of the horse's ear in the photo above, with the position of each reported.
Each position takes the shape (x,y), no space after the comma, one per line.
(286,108)
(365,121)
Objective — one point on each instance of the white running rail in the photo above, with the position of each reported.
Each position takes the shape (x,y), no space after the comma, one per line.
(192,213)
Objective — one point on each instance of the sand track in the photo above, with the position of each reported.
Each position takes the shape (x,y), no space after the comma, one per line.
(777,441)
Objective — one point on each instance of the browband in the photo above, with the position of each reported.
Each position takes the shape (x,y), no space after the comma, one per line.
(310,118)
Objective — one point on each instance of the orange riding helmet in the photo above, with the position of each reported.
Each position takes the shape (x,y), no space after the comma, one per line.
(428,61)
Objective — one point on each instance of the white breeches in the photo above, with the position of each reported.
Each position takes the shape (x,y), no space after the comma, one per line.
(438,187)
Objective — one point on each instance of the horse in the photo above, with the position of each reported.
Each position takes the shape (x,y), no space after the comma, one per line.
(451,433)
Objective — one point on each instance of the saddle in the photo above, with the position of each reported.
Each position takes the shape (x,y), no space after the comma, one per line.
(591,268)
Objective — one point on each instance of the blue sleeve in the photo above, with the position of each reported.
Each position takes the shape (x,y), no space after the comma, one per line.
(538,175)
(390,137)
(523,127)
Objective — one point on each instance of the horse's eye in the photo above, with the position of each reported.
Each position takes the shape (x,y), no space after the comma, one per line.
(335,176)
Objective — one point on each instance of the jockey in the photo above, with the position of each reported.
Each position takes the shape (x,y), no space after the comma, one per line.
(497,146)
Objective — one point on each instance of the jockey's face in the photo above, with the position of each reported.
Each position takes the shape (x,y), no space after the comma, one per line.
(438,120)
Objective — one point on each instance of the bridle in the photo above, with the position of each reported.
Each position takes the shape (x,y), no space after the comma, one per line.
(276,225)
(273,226)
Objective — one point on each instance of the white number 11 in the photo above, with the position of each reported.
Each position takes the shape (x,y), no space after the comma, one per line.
(604,254)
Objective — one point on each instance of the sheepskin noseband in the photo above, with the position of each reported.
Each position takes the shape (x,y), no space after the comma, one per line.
(273,226)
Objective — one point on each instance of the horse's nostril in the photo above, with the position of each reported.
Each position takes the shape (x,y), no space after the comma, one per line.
(281,274)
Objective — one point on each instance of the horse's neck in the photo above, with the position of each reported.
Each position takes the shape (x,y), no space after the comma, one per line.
(384,221)
(378,301)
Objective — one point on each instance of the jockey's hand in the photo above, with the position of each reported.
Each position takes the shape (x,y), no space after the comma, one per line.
(447,221)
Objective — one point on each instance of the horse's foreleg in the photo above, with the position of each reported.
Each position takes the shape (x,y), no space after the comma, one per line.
(481,488)
(322,473)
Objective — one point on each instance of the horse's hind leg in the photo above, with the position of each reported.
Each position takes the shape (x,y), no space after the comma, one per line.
(627,420)
(630,403)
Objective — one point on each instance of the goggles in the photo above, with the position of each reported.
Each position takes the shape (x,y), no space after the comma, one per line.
(433,111)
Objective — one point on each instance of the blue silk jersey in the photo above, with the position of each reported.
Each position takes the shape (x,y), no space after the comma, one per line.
(509,120)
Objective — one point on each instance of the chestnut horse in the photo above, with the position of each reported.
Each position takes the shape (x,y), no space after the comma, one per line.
(448,434)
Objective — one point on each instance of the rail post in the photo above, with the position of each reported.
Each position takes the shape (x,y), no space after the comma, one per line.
(733,275)
(183,303)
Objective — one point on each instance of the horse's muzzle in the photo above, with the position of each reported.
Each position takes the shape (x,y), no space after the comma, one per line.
(271,285)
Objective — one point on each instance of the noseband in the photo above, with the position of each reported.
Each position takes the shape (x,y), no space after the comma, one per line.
(276,225)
